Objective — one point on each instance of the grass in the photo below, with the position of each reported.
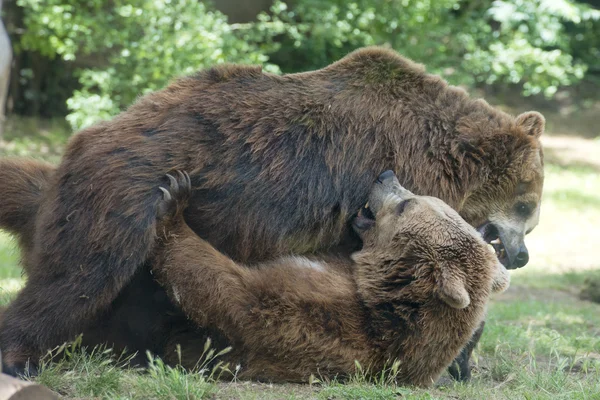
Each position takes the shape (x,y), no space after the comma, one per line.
(541,340)
(99,374)
(44,139)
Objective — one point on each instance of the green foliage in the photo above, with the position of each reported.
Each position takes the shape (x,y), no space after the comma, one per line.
(521,42)
(323,31)
(533,46)
(126,48)
(137,46)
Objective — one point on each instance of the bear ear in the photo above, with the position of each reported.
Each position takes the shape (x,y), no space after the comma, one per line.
(533,122)
(451,287)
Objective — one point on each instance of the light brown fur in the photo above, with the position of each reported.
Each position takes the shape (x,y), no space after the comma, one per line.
(415,292)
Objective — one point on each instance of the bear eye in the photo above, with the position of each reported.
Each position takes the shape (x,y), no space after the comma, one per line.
(524,209)
(401,206)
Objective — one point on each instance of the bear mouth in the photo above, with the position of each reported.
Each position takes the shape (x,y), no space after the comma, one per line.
(364,220)
(488,231)
(491,236)
(366,212)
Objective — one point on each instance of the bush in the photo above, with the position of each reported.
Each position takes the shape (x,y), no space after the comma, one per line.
(141,45)
(524,42)
(127,48)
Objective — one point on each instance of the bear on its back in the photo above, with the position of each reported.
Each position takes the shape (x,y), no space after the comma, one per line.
(415,293)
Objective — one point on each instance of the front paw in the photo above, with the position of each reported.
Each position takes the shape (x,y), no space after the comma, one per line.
(175,196)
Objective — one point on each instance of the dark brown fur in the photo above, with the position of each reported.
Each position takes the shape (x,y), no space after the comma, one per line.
(415,293)
(21,185)
(294,154)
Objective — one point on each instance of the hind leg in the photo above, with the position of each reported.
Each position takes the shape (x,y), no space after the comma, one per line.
(35,313)
(460,369)
(90,242)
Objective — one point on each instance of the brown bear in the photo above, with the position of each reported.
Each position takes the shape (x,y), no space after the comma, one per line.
(414,293)
(295,154)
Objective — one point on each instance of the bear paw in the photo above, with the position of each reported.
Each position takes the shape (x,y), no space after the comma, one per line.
(176,196)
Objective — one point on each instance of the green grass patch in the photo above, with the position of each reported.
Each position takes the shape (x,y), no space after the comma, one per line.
(31,137)
(355,391)
(9,257)
(10,271)
(99,374)
(543,324)
(82,373)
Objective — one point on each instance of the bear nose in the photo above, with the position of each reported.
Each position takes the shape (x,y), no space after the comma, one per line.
(386,176)
(522,258)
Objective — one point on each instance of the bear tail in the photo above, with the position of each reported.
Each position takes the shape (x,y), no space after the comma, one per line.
(22,183)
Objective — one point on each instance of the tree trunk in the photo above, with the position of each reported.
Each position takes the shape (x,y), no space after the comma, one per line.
(5,60)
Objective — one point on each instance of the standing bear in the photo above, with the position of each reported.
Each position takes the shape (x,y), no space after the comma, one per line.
(295,154)
(413,294)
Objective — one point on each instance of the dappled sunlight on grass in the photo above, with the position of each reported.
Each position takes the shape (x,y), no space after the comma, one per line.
(541,321)
(9,257)
(31,137)
(11,280)
(567,237)
(9,288)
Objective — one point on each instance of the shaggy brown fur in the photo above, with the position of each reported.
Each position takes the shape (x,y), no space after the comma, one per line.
(21,185)
(415,292)
(294,154)
(140,319)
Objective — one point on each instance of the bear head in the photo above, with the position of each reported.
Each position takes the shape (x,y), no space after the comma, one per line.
(507,207)
(430,239)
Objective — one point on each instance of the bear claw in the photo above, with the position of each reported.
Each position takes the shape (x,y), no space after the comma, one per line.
(176,195)
(167,195)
